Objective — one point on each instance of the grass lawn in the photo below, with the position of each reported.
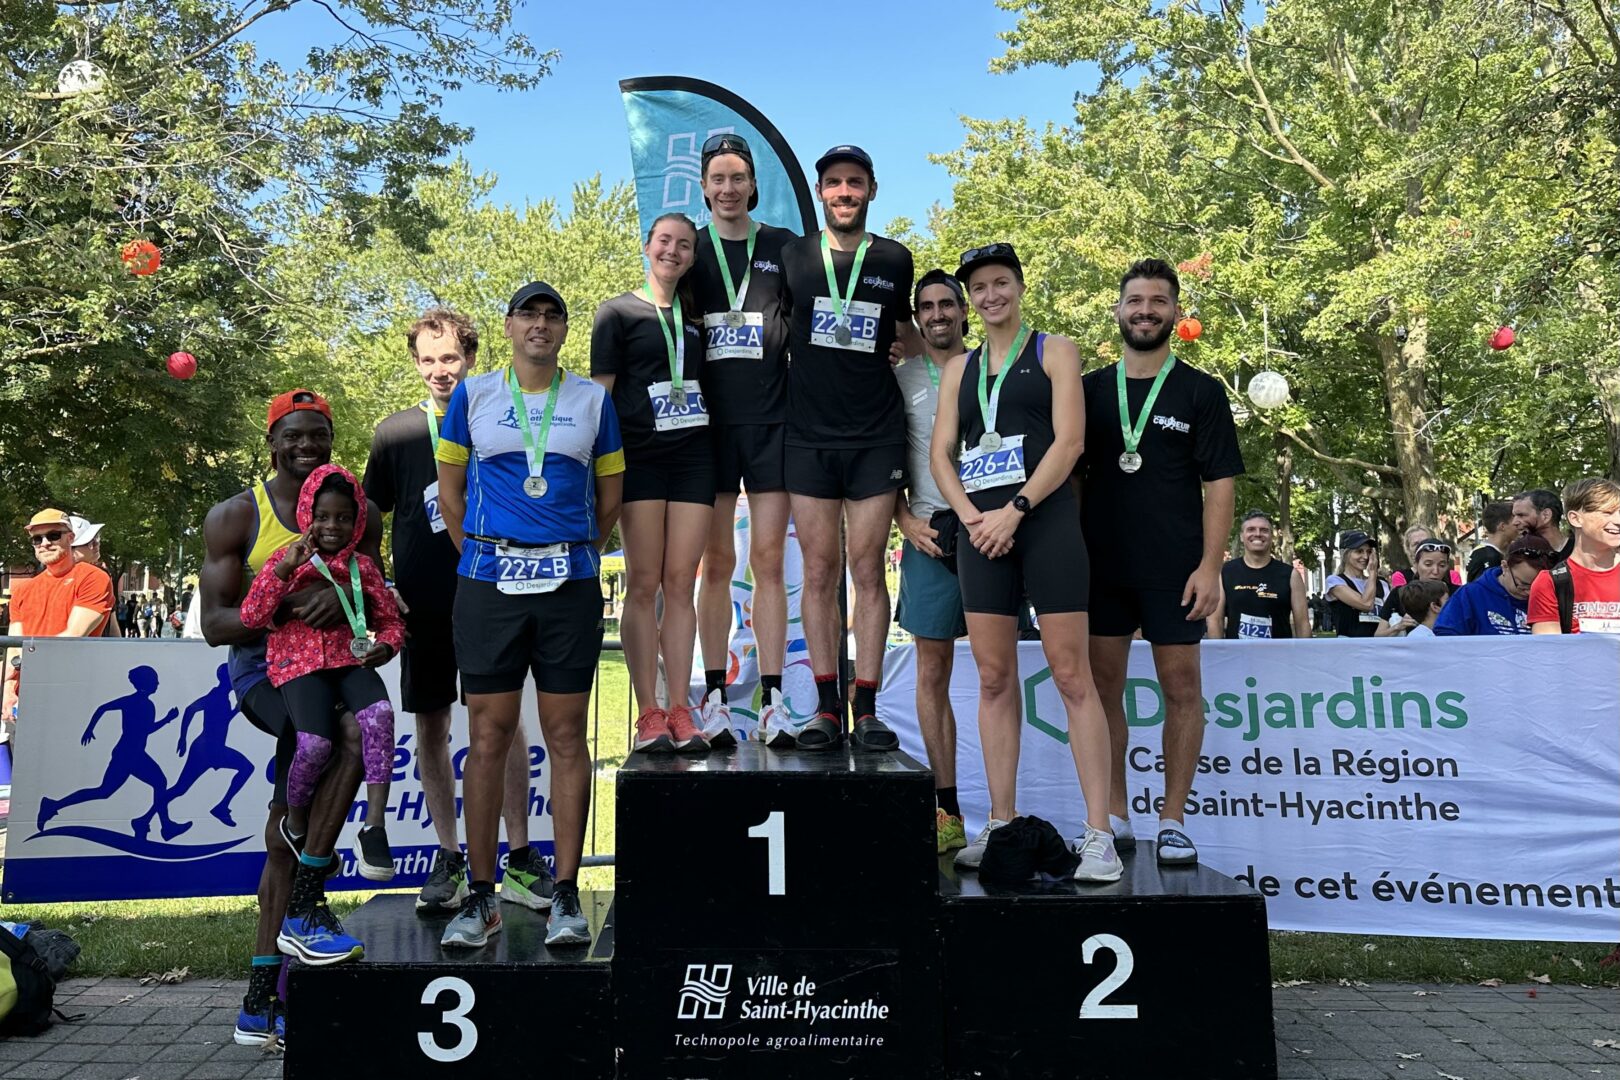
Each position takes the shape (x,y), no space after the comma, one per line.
(212,936)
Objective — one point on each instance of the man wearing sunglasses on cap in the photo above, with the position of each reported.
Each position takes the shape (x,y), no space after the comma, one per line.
(70,599)
(1497,601)
(1431,561)
(737,280)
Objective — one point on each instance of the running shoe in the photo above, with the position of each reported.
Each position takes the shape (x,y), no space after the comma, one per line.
(776,723)
(528,882)
(1124,834)
(652,732)
(566,924)
(714,717)
(293,840)
(446,886)
(820,732)
(256,1029)
(1099,862)
(317,938)
(472,926)
(376,859)
(971,856)
(949,830)
(684,733)
(872,734)
(1174,847)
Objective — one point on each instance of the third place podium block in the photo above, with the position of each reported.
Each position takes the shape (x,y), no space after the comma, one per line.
(776,912)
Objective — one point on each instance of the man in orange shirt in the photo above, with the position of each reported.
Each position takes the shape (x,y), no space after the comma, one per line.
(68,600)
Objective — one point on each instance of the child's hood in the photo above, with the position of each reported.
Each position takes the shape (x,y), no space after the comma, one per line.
(306,506)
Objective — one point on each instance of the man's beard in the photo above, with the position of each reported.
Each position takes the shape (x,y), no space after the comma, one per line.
(1145,341)
(857,225)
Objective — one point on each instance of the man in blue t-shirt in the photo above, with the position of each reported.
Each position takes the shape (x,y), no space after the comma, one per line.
(1497,602)
(531,469)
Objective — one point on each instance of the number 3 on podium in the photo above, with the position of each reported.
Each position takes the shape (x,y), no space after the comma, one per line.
(773,831)
(466,1031)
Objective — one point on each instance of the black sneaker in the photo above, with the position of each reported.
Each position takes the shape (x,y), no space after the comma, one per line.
(820,732)
(446,886)
(293,840)
(870,733)
(376,859)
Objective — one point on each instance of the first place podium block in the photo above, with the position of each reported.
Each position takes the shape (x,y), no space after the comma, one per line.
(776,911)
(412,1008)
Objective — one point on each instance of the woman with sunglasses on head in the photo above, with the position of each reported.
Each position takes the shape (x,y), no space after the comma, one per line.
(1355,591)
(1411,539)
(1015,410)
(647,351)
(1431,561)
(1498,601)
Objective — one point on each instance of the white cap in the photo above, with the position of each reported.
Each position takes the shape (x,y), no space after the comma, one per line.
(83,531)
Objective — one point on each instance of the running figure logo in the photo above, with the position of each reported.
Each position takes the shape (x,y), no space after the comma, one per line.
(130,760)
(209,750)
(704,994)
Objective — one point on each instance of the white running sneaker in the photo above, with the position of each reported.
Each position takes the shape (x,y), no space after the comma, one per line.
(971,856)
(1099,862)
(714,720)
(776,723)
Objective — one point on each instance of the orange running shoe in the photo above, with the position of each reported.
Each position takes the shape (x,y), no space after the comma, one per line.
(687,738)
(652,732)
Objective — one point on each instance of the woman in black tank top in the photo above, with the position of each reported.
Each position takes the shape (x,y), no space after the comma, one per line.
(1015,408)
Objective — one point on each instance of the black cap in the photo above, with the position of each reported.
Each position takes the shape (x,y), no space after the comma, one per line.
(844,152)
(728,142)
(1353,539)
(536,290)
(988,255)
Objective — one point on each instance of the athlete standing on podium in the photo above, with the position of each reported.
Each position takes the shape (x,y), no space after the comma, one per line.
(1015,409)
(846,437)
(530,471)
(745,384)
(647,351)
(1161,454)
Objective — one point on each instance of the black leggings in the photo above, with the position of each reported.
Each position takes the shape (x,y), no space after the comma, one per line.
(313,700)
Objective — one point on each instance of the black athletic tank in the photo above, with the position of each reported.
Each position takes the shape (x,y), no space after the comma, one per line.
(1264,595)
(1025,408)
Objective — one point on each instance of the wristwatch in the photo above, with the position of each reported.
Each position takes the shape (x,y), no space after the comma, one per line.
(1021,504)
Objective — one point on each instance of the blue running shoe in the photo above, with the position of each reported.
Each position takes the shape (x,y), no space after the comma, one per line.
(317,938)
(256,1029)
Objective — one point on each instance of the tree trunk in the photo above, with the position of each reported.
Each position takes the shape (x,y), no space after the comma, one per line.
(1285,487)
(1405,385)
(1608,384)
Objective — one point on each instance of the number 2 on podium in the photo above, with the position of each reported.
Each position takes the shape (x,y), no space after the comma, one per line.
(1092,1008)
(773,831)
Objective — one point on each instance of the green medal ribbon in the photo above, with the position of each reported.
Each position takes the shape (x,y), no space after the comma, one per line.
(841,302)
(674,346)
(734,293)
(932,368)
(534,447)
(433,426)
(355,612)
(990,404)
(1133,433)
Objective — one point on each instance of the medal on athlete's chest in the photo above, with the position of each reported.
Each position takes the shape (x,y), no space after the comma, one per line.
(359,647)
(535,487)
(1130,461)
(842,333)
(677,397)
(736,320)
(990,440)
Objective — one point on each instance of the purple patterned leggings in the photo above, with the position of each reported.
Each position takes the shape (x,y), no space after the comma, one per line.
(314,702)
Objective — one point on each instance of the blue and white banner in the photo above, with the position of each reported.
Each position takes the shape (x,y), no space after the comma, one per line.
(670,117)
(1459,787)
(135,776)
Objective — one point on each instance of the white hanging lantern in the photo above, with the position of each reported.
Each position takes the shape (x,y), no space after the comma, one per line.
(1268,390)
(79,77)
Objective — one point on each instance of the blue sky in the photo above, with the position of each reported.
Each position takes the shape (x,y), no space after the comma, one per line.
(905,75)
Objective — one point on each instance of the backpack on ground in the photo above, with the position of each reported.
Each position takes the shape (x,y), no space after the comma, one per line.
(1564,589)
(28,985)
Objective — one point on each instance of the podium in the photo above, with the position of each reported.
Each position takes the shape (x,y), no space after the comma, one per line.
(777,912)
(785,915)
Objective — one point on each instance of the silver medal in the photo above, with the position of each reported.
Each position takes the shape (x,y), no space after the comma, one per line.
(735,319)
(990,440)
(534,487)
(842,334)
(677,397)
(1130,461)
(359,647)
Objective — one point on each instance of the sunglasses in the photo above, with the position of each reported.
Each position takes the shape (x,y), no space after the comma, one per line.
(989,251)
(726,142)
(1432,545)
(1540,557)
(47,537)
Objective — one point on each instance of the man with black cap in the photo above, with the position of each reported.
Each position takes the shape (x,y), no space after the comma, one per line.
(531,469)
(850,296)
(1162,450)
(738,283)
(930,607)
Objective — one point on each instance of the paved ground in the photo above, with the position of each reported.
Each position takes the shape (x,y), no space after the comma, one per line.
(1324,1032)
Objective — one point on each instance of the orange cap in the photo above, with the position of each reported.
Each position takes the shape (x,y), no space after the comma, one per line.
(49,517)
(296,401)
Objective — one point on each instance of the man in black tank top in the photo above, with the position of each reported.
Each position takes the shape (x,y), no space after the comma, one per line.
(1262,597)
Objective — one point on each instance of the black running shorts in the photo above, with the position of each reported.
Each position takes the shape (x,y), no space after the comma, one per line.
(1047,563)
(264,709)
(748,455)
(1120,610)
(501,639)
(859,473)
(682,473)
(427,664)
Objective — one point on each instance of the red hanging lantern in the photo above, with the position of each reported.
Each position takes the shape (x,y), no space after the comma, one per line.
(142,257)
(1503,338)
(1189,329)
(182,365)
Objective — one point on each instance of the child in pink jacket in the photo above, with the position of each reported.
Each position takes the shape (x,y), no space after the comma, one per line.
(318,670)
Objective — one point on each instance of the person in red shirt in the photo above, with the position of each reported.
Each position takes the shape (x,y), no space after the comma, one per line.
(1592,507)
(68,600)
